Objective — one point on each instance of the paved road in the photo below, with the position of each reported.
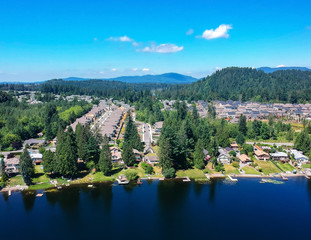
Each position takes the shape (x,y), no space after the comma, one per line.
(277,144)
(147,135)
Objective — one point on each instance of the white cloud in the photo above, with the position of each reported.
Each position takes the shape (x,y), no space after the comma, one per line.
(121,39)
(279,66)
(95,39)
(135,44)
(114,69)
(308,27)
(220,32)
(190,31)
(101,72)
(218,68)
(135,69)
(162,48)
(145,69)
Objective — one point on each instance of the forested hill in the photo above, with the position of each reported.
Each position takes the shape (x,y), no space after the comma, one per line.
(246,84)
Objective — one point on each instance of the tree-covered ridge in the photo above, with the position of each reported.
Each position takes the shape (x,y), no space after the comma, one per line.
(246,84)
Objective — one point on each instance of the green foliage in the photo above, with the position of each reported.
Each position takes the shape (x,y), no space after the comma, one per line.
(235,164)
(232,153)
(128,155)
(131,174)
(66,153)
(148,168)
(26,167)
(48,161)
(248,148)
(242,125)
(219,168)
(303,141)
(199,155)
(3,175)
(240,139)
(131,136)
(104,163)
(169,173)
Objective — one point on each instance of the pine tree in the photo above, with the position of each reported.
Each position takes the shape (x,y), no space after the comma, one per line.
(265,131)
(104,162)
(66,154)
(26,167)
(165,155)
(195,114)
(242,125)
(131,135)
(48,161)
(128,155)
(93,150)
(199,155)
(3,175)
(240,139)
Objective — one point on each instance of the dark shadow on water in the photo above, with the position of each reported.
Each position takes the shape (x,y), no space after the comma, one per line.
(198,187)
(172,193)
(67,198)
(212,192)
(149,181)
(130,187)
(309,189)
(29,198)
(5,196)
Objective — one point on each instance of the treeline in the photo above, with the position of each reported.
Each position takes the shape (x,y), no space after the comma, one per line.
(20,121)
(246,84)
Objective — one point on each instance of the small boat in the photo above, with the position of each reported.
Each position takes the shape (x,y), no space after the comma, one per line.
(90,186)
(59,187)
(139,182)
(122,180)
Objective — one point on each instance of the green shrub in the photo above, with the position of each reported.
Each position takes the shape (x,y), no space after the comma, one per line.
(148,168)
(220,168)
(169,173)
(131,174)
(235,164)
(205,171)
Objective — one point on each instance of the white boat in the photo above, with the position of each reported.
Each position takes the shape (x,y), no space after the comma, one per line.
(122,180)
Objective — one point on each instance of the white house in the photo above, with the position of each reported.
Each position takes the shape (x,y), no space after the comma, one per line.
(223,156)
(299,157)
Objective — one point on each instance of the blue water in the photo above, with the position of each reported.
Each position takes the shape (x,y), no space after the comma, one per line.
(162,210)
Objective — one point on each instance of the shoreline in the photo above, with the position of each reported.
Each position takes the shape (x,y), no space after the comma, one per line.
(19,188)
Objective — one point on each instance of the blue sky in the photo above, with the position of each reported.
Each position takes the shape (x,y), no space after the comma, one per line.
(44,39)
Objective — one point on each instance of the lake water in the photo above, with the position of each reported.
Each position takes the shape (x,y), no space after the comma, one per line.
(162,210)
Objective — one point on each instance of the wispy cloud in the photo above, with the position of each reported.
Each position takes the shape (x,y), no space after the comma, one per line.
(114,69)
(308,27)
(145,69)
(220,32)
(95,39)
(279,66)
(190,31)
(135,69)
(162,48)
(121,39)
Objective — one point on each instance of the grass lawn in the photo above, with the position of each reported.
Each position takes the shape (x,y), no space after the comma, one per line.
(40,176)
(250,170)
(94,177)
(17,180)
(230,169)
(142,174)
(307,165)
(191,173)
(285,166)
(40,186)
(267,167)
(209,168)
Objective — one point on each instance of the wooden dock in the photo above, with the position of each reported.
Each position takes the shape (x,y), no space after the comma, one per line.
(232,179)
(187,179)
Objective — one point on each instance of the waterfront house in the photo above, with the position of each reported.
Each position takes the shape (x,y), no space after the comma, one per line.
(36,158)
(151,159)
(157,127)
(11,165)
(261,155)
(35,143)
(244,159)
(299,157)
(280,156)
(137,155)
(223,156)
(207,157)
(234,146)
(116,156)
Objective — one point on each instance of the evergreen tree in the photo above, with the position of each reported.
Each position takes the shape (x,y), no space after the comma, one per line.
(93,150)
(265,131)
(199,155)
(128,155)
(66,154)
(242,125)
(26,167)
(303,141)
(3,175)
(48,161)
(213,147)
(104,162)
(131,135)
(165,155)
(195,114)
(240,139)
(290,135)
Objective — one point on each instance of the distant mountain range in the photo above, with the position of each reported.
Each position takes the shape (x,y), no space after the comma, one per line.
(170,78)
(270,70)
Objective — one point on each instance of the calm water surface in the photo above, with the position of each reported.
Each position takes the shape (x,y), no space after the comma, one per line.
(162,210)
